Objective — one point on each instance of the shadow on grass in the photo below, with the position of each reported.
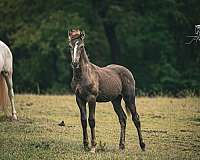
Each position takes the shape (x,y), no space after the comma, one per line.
(102,147)
(196,121)
(4,118)
(41,145)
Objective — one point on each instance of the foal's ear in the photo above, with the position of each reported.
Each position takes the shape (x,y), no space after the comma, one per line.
(82,35)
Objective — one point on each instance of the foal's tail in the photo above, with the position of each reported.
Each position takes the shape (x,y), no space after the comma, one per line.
(129,99)
(130,104)
(3,94)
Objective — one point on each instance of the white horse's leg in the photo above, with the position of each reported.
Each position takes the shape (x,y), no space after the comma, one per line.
(9,83)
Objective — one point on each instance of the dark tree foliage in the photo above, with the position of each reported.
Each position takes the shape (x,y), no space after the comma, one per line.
(148,37)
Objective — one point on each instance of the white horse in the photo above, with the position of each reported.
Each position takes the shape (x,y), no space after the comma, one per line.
(6,84)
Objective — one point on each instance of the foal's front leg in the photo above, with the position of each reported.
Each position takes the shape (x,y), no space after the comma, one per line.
(82,106)
(91,119)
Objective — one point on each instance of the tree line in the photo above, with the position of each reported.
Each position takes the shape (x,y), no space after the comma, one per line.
(148,37)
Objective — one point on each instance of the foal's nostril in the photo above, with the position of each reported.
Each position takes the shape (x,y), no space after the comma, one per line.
(75,64)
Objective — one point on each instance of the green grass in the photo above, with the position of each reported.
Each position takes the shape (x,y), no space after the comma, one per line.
(170,127)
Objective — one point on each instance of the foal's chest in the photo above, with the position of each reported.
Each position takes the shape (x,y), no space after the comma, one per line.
(84,89)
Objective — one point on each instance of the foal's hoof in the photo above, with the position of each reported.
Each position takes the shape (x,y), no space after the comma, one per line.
(14,117)
(121,146)
(142,145)
(93,150)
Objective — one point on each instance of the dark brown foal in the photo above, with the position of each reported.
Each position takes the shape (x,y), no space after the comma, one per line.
(93,84)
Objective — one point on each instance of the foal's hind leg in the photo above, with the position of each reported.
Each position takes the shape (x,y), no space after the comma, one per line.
(130,104)
(122,120)
(9,83)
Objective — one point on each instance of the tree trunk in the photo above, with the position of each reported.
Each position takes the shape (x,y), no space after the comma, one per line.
(113,41)
(100,10)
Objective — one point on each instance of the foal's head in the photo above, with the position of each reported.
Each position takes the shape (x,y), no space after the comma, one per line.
(76,44)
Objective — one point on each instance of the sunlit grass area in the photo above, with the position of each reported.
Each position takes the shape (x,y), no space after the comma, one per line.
(170,127)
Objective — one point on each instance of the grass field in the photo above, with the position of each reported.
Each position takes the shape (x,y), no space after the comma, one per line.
(170,127)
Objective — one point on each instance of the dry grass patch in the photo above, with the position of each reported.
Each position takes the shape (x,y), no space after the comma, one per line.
(170,127)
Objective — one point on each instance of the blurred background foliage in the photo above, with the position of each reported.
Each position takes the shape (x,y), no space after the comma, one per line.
(148,37)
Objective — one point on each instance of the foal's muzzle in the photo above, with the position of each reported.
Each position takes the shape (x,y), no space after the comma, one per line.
(75,64)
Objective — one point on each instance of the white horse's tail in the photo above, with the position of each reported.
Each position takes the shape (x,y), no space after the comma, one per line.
(3,94)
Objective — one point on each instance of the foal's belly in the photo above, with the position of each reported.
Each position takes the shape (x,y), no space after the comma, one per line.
(110,87)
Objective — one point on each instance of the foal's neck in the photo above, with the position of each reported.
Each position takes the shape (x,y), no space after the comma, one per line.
(83,68)
(84,58)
